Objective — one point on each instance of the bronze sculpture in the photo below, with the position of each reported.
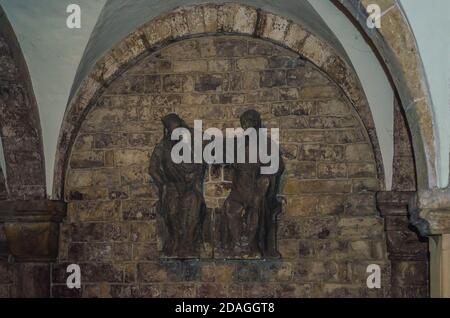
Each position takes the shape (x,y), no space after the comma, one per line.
(251,209)
(248,217)
(181,203)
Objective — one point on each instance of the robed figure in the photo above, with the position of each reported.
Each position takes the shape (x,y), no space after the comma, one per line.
(181,203)
(249,220)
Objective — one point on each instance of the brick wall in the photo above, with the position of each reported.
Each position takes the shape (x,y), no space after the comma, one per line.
(330,229)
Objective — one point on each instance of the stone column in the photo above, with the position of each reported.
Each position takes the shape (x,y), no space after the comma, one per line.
(430,213)
(31,229)
(408,252)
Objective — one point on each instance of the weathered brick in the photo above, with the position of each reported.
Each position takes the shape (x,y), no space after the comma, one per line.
(230,47)
(101,272)
(89,159)
(128,85)
(182,50)
(98,252)
(361,185)
(361,227)
(6,273)
(152,272)
(288,248)
(86,232)
(289,151)
(259,290)
(248,64)
(362,170)
(302,169)
(106,177)
(332,204)
(138,210)
(117,231)
(176,83)
(117,140)
(143,231)
(152,65)
(332,170)
(95,210)
(129,157)
(277,272)
(304,136)
(359,152)
(211,82)
(289,93)
(294,186)
(187,290)
(312,270)
(295,290)
(273,78)
(273,27)
(260,48)
(84,142)
(121,252)
(153,84)
(332,108)
(145,252)
(79,178)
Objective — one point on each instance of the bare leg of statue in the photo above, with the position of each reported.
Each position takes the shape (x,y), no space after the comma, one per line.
(233,211)
(191,207)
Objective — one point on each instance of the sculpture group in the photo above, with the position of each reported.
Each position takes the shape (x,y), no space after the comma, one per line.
(248,217)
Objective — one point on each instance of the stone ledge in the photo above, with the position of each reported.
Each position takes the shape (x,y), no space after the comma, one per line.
(430,211)
(32,228)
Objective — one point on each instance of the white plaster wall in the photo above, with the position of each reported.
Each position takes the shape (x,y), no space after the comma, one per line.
(430,21)
(52,52)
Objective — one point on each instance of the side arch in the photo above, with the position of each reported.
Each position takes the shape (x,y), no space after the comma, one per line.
(192,21)
(397,49)
(19,121)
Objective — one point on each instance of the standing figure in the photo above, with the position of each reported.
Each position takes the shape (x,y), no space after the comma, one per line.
(251,209)
(181,202)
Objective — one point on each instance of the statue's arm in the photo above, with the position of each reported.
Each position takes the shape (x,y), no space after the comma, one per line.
(272,191)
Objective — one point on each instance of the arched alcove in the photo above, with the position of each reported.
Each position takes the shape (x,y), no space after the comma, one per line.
(330,229)
(397,49)
(179,24)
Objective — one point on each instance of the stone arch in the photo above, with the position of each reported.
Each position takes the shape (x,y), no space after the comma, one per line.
(198,20)
(328,184)
(19,120)
(397,50)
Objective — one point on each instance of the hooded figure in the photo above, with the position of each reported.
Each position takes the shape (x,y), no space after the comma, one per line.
(181,202)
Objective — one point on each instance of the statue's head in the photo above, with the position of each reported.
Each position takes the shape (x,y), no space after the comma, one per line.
(250,119)
(172,122)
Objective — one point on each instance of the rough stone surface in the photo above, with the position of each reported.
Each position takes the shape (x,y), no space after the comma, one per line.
(408,251)
(329,231)
(404,172)
(19,120)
